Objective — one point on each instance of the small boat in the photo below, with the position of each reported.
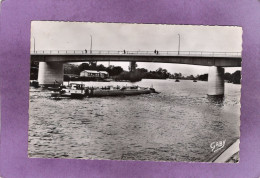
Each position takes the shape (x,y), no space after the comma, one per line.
(194,80)
(177,80)
(74,90)
(118,91)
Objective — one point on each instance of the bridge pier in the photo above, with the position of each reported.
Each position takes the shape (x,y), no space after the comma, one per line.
(50,72)
(216,81)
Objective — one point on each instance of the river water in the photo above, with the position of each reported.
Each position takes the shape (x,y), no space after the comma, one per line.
(179,124)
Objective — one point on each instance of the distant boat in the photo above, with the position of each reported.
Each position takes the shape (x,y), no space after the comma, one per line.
(177,80)
(194,80)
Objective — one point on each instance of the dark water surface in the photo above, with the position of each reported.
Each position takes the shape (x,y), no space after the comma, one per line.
(179,124)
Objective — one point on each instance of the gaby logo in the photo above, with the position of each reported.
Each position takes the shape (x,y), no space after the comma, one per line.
(215,146)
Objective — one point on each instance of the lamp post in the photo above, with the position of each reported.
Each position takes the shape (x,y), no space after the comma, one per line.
(90,43)
(33,44)
(179,44)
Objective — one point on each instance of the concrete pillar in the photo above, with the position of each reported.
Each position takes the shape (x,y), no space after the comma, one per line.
(216,81)
(49,72)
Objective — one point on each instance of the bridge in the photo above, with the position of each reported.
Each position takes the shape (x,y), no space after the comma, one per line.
(51,62)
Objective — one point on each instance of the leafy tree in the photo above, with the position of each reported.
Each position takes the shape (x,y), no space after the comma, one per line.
(236,77)
(177,75)
(191,77)
(71,69)
(203,77)
(101,67)
(227,76)
(112,70)
(142,70)
(84,66)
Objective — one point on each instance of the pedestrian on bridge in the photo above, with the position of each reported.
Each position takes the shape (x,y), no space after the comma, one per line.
(124,51)
(86,51)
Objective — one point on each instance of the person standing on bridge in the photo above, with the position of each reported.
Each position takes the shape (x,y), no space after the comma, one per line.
(124,51)
(155,51)
(86,51)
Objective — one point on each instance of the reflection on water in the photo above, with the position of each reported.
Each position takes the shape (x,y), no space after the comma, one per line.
(177,125)
(218,100)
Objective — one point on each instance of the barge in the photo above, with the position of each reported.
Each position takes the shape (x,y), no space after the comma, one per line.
(79,91)
(118,91)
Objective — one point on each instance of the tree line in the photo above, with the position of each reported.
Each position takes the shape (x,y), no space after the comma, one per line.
(118,73)
(230,78)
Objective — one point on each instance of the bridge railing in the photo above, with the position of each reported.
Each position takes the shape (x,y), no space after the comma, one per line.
(145,53)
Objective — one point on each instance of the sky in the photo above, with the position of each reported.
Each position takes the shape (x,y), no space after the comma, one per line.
(54,35)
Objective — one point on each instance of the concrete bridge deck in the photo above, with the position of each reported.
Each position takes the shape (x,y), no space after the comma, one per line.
(204,58)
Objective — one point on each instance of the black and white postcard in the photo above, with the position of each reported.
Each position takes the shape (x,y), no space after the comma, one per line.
(118,91)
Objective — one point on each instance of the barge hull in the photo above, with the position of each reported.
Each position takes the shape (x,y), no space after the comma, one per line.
(96,93)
